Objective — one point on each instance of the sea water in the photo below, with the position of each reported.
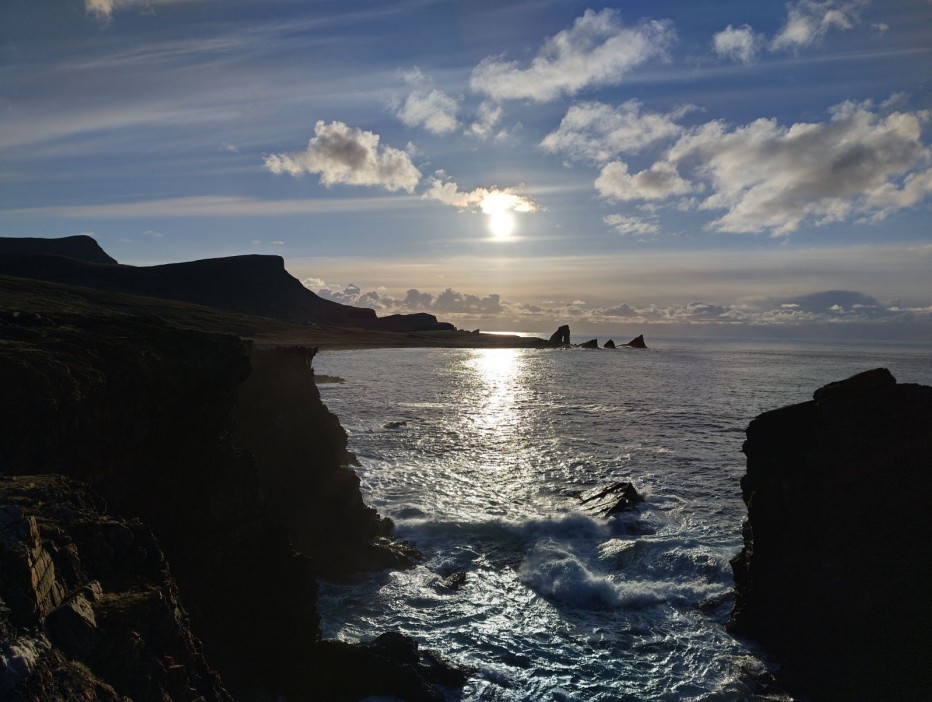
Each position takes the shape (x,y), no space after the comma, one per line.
(479,457)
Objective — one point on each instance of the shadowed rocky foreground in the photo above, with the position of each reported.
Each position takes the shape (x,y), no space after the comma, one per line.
(835,578)
(145,553)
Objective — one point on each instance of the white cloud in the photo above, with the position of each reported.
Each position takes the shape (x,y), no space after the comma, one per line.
(342,154)
(772,178)
(808,21)
(597,50)
(153,234)
(626,224)
(487,117)
(598,132)
(431,109)
(658,182)
(737,43)
(486,200)
(102,10)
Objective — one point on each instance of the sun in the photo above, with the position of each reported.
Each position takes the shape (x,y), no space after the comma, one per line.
(501,225)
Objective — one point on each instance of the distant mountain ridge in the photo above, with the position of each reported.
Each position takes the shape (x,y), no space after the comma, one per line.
(250,284)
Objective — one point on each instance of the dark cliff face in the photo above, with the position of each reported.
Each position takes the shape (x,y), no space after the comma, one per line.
(142,412)
(835,578)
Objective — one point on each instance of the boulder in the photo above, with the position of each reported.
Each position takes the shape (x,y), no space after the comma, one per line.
(591,344)
(835,577)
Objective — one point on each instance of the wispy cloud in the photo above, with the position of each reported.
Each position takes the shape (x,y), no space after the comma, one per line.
(213,206)
(808,21)
(102,10)
(596,51)
(343,154)
(630,225)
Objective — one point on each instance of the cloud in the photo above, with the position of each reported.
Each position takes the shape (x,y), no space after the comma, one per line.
(487,116)
(102,10)
(486,200)
(342,154)
(597,132)
(658,182)
(453,302)
(153,234)
(625,224)
(596,51)
(773,178)
(431,109)
(808,21)
(737,43)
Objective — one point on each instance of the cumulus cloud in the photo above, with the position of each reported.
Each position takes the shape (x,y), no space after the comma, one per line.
(597,132)
(596,51)
(772,178)
(486,200)
(658,182)
(427,107)
(808,21)
(343,154)
(737,43)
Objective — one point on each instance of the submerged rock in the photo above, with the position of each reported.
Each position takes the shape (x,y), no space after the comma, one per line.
(835,578)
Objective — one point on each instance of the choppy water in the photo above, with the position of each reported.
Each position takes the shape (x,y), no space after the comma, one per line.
(483,474)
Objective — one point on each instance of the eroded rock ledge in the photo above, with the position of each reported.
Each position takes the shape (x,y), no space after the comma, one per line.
(145,414)
(835,578)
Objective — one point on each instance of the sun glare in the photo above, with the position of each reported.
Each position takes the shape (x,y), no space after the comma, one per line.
(501,225)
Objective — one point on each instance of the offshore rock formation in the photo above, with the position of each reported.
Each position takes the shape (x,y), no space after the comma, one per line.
(611,499)
(637,342)
(835,578)
(561,336)
(144,414)
(591,344)
(610,344)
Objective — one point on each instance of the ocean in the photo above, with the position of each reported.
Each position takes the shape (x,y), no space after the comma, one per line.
(479,457)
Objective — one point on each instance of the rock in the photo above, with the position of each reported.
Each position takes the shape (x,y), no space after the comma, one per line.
(591,344)
(561,336)
(395,424)
(836,570)
(611,499)
(107,564)
(609,344)
(637,343)
(453,581)
(391,665)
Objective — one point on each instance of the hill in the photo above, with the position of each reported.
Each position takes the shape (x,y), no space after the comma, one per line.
(251,284)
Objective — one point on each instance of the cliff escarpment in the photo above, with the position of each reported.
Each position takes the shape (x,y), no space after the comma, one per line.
(146,415)
(250,284)
(835,578)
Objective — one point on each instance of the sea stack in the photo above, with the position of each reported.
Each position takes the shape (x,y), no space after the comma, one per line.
(835,578)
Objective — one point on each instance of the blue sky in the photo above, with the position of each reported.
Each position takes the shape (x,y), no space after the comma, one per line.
(675,166)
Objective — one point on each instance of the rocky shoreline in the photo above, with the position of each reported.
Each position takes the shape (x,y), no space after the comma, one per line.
(835,578)
(113,426)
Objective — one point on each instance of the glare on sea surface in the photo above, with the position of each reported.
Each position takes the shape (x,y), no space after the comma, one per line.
(497,375)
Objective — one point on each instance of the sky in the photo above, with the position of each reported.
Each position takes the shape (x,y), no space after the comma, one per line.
(733,167)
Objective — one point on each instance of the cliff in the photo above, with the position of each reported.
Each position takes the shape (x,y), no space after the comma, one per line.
(144,413)
(250,284)
(835,578)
